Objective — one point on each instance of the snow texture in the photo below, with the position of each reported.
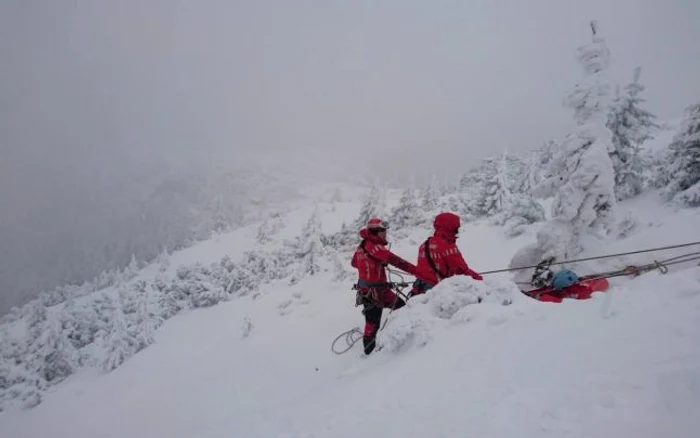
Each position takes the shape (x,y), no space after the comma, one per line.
(256,363)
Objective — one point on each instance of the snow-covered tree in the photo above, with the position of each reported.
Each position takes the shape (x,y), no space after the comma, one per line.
(491,194)
(407,212)
(683,168)
(269,227)
(373,205)
(118,345)
(430,196)
(57,357)
(142,323)
(631,125)
(504,182)
(513,209)
(163,260)
(535,164)
(580,176)
(308,249)
(522,210)
(220,218)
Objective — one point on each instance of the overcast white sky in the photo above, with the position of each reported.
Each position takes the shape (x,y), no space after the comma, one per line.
(405,86)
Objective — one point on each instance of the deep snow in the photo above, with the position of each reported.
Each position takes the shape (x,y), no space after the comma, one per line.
(623,364)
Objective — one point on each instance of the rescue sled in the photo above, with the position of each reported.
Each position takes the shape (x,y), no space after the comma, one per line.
(554,287)
(581,290)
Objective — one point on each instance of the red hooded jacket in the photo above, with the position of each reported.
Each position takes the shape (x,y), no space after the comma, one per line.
(443,249)
(371,256)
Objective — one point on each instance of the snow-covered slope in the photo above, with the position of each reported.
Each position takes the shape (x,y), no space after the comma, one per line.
(625,363)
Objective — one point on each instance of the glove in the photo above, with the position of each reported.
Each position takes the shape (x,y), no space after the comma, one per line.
(475,275)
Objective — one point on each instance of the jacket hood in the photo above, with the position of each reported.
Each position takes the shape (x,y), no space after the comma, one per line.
(446,226)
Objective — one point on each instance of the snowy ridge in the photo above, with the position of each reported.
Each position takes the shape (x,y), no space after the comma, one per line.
(260,365)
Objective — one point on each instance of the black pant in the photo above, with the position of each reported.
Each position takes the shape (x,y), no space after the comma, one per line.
(373,319)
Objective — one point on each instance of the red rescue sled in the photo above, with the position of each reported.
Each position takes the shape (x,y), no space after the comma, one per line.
(582,290)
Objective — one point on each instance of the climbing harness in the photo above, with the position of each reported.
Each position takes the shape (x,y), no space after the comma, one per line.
(354,335)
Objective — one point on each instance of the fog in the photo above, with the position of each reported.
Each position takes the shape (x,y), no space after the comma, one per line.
(105,106)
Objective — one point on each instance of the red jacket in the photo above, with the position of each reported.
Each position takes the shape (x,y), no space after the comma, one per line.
(371,256)
(443,249)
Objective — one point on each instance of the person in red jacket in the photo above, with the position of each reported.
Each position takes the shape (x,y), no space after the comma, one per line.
(374,291)
(442,257)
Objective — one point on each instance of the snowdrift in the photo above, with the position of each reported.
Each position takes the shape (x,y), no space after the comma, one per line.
(450,302)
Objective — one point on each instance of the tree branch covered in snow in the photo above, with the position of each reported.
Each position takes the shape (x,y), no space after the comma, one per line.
(683,161)
(631,125)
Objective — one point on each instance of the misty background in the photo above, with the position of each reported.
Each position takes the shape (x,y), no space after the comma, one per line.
(131,127)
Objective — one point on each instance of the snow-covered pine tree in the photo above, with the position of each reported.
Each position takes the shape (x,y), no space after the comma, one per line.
(631,125)
(580,175)
(504,180)
(468,191)
(372,206)
(430,196)
(491,193)
(118,345)
(407,212)
(308,249)
(514,208)
(142,323)
(269,227)
(684,161)
(536,164)
(219,217)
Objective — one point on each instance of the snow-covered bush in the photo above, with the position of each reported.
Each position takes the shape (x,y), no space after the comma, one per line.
(521,211)
(259,267)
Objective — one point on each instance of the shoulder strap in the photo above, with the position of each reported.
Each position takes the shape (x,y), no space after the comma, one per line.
(426,249)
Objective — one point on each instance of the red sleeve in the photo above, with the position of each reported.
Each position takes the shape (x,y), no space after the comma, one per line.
(377,252)
(392,259)
(456,264)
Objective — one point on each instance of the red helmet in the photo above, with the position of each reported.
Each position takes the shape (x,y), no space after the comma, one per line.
(377,224)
